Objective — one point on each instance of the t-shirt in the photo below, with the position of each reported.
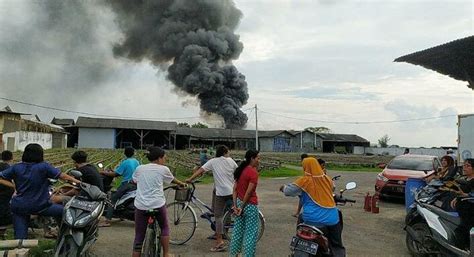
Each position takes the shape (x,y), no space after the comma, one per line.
(203,158)
(32,186)
(249,175)
(223,171)
(90,175)
(150,178)
(126,169)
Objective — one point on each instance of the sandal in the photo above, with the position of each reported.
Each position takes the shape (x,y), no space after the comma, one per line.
(220,248)
(50,235)
(104,224)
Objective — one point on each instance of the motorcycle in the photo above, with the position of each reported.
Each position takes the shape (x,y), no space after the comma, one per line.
(124,208)
(430,229)
(79,227)
(309,240)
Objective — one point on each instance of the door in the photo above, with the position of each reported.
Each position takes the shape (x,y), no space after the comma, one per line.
(11,144)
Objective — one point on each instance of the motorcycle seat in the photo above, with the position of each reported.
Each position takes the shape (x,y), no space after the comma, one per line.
(453,217)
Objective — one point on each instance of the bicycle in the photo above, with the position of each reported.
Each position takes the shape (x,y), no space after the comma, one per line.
(152,243)
(183,218)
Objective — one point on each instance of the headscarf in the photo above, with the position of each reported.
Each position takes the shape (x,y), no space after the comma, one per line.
(316,184)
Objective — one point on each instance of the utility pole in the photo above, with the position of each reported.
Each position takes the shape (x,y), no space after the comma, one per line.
(256,128)
(301,139)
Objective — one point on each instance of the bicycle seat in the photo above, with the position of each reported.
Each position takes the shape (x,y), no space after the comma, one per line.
(152,212)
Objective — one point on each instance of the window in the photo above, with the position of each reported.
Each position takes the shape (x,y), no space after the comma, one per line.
(411,164)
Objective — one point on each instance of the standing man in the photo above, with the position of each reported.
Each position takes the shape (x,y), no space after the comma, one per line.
(126,170)
(223,168)
(6,192)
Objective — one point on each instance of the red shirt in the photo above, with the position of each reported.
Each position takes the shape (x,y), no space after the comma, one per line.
(249,175)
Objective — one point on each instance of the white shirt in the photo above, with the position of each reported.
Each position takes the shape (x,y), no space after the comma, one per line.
(223,172)
(150,178)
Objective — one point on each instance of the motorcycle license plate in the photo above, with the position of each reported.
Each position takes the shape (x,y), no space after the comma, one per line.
(84,205)
(304,246)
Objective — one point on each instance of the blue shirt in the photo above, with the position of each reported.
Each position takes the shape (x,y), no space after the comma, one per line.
(32,186)
(126,169)
(313,214)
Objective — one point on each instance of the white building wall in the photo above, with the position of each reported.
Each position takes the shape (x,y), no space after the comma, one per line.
(96,138)
(23,138)
(394,151)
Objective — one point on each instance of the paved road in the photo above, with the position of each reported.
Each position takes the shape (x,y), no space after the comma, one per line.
(364,234)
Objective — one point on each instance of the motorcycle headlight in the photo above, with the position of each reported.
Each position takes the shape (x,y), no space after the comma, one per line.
(68,217)
(380,176)
(83,221)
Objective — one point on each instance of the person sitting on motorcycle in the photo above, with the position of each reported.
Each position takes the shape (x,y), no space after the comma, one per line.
(222,167)
(90,175)
(126,169)
(447,171)
(32,187)
(298,209)
(6,192)
(465,207)
(150,196)
(319,207)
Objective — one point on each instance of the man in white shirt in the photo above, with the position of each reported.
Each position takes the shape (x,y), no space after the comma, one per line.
(222,168)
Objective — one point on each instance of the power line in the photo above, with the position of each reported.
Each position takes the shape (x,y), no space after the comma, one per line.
(103,115)
(362,122)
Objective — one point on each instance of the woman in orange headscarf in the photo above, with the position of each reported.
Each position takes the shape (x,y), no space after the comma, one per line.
(319,208)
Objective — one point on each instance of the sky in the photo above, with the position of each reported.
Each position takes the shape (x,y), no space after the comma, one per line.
(307,64)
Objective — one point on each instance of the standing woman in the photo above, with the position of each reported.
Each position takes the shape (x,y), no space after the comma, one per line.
(32,188)
(245,206)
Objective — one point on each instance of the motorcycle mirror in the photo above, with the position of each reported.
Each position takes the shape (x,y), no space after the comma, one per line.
(100,165)
(351,185)
(75,173)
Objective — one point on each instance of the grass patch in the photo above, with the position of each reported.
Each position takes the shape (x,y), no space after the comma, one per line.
(43,245)
(352,167)
(281,172)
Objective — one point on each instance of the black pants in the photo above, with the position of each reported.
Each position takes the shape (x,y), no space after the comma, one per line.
(334,236)
(465,210)
(123,189)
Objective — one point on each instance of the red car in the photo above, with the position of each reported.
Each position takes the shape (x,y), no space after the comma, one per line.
(391,181)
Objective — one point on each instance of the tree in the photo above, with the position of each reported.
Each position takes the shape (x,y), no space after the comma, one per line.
(183,125)
(383,141)
(199,125)
(319,129)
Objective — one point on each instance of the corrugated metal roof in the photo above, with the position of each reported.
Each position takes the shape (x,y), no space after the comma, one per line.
(62,122)
(341,138)
(216,133)
(87,122)
(455,59)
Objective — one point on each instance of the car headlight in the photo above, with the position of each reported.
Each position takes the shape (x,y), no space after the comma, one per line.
(68,217)
(380,176)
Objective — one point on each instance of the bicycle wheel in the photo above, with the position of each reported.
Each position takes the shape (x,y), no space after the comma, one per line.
(183,222)
(149,244)
(228,221)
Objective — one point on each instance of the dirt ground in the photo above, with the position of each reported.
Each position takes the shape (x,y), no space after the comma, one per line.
(364,234)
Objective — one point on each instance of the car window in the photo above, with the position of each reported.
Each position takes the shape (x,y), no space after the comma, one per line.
(436,163)
(411,164)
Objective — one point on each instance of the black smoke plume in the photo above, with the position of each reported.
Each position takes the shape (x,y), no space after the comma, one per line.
(195,40)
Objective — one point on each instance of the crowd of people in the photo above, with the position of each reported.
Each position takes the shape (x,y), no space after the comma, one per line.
(24,191)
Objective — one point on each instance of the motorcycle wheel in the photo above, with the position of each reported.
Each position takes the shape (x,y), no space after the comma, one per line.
(67,248)
(425,247)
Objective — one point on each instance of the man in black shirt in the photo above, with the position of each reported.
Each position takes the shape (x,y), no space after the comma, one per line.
(90,174)
(6,191)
